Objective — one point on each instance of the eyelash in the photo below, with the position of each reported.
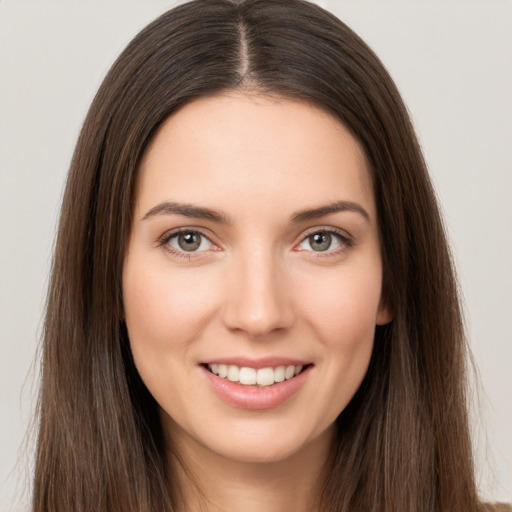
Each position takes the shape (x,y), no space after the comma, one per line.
(346,242)
(167,237)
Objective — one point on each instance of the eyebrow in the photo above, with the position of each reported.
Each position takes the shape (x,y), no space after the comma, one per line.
(187,210)
(198,212)
(339,206)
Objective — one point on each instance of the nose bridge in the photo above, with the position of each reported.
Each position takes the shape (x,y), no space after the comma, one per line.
(256,299)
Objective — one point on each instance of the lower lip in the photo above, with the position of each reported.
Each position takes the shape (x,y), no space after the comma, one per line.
(255,397)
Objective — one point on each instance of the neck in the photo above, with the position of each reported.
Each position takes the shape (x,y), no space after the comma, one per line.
(208,482)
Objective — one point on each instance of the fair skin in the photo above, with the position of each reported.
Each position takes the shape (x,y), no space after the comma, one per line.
(254,245)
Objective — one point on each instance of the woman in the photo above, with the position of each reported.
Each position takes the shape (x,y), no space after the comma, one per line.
(252,299)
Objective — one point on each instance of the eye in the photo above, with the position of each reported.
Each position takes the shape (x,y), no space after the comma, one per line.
(323,241)
(189,241)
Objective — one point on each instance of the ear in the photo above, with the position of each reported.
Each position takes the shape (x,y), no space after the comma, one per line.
(384,312)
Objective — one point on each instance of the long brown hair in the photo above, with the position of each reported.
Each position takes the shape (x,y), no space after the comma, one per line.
(403,442)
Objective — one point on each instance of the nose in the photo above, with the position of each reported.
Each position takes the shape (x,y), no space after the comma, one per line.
(258,298)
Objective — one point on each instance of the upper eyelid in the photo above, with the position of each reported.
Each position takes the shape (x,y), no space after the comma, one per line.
(345,240)
(326,229)
(188,229)
(319,229)
(164,243)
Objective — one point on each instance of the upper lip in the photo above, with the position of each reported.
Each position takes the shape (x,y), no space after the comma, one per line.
(264,362)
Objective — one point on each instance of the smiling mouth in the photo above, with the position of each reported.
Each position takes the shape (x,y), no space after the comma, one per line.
(248,376)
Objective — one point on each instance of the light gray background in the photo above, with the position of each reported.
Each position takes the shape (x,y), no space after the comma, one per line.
(452,61)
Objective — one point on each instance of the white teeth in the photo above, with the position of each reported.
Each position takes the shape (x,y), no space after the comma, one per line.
(233,373)
(289,372)
(265,376)
(223,370)
(247,376)
(250,376)
(279,374)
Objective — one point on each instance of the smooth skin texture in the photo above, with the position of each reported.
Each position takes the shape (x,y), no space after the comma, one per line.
(250,279)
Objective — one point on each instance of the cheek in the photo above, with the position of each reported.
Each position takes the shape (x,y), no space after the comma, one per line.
(343,307)
(343,313)
(164,313)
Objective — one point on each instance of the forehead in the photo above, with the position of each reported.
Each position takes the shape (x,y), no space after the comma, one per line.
(238,149)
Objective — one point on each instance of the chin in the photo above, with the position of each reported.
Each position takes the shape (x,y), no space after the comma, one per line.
(260,442)
(260,453)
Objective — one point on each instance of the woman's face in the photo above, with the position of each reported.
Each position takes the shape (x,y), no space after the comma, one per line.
(252,281)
